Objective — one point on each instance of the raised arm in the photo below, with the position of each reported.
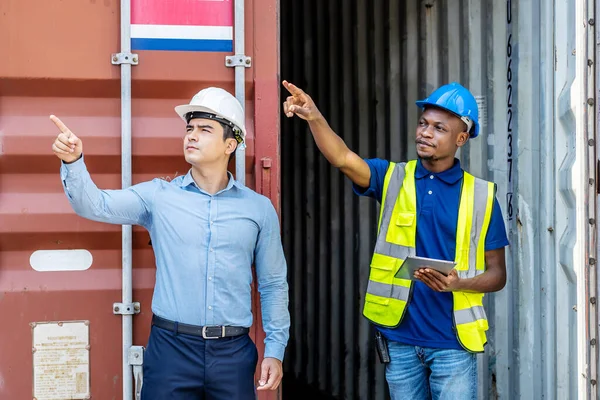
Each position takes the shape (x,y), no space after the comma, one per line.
(331,145)
(129,206)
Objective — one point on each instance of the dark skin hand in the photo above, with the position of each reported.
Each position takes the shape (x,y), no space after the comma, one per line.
(492,280)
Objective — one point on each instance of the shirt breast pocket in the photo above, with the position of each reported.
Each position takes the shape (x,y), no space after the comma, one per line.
(402,230)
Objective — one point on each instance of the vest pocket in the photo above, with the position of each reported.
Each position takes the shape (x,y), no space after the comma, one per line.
(381,276)
(402,230)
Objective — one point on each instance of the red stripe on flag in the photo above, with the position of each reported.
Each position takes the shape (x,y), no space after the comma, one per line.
(182,12)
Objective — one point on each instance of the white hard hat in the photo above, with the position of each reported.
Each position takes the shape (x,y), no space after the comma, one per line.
(218,104)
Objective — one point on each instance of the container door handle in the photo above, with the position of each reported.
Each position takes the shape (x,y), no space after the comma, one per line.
(136,360)
(138,376)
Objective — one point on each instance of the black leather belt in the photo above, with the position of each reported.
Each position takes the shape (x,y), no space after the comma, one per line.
(206,332)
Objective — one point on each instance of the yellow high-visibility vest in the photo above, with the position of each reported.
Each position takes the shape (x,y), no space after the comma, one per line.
(387,296)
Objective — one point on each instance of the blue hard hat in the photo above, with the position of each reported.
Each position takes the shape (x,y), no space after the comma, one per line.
(456,99)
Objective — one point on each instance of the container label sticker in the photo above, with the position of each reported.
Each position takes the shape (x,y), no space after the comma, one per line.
(61,360)
(182,25)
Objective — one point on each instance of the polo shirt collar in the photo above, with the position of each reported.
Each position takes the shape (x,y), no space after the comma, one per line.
(449,176)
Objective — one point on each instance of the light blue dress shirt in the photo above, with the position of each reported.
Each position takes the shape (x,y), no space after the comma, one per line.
(204,246)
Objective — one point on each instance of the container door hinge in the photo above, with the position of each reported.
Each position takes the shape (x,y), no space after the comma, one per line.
(126,309)
(239,60)
(124,58)
(267,163)
(136,359)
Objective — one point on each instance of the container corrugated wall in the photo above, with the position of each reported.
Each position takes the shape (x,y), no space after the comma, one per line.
(347,63)
(57,60)
(365,63)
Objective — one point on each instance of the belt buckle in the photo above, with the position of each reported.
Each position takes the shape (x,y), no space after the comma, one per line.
(205,336)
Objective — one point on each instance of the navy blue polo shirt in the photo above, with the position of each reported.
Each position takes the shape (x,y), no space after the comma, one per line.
(428,320)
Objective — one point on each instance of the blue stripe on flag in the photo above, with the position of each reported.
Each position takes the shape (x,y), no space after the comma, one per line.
(182,44)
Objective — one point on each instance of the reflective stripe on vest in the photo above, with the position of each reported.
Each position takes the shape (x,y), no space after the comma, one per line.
(383,290)
(387,297)
(466,315)
(382,246)
(476,203)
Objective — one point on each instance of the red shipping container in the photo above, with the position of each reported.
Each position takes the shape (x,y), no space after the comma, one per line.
(57,60)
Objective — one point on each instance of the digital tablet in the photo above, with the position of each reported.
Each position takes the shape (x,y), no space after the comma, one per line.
(414,263)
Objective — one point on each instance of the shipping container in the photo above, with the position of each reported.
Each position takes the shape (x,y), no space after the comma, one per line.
(62,334)
(530,63)
(532,66)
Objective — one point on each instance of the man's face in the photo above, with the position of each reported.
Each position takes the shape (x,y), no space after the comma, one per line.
(439,134)
(204,144)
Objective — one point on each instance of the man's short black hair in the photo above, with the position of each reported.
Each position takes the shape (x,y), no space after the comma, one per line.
(228,134)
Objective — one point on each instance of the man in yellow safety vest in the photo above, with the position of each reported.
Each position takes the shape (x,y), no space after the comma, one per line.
(429,324)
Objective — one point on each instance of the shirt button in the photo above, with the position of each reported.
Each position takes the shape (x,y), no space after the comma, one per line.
(210,307)
(210,278)
(212,222)
(430,176)
(211,249)
(430,192)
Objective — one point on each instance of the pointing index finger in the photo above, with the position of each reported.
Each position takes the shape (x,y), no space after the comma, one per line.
(293,89)
(60,125)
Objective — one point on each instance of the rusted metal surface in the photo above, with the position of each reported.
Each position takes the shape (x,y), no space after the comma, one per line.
(60,64)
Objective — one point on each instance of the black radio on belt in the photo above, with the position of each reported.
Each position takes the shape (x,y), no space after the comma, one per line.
(382,348)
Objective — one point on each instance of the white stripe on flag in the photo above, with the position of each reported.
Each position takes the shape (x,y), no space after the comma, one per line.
(182,32)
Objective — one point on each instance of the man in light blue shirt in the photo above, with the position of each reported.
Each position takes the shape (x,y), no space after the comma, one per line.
(206,230)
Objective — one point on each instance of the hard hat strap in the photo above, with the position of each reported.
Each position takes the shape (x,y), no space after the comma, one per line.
(204,115)
(468,121)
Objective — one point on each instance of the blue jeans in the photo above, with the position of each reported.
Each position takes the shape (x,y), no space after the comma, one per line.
(416,373)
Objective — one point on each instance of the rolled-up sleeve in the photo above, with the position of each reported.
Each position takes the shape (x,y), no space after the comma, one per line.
(131,206)
(271,271)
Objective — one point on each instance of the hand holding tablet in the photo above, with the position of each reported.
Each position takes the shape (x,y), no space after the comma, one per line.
(414,263)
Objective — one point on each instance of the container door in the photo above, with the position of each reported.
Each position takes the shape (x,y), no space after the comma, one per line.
(61,275)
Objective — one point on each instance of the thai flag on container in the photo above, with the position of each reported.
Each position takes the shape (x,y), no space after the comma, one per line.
(183,25)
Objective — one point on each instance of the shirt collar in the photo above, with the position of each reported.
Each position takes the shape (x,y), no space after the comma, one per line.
(189,180)
(449,176)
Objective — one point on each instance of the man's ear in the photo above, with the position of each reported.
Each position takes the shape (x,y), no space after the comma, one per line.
(462,138)
(231,146)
